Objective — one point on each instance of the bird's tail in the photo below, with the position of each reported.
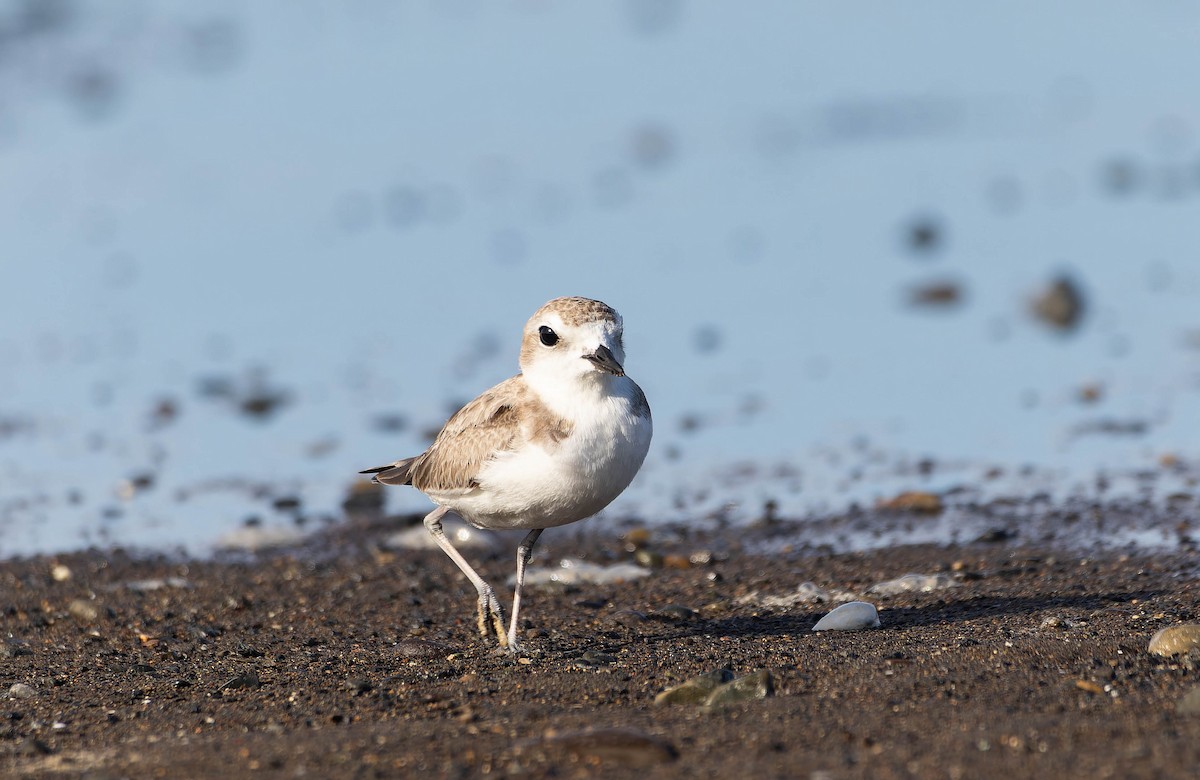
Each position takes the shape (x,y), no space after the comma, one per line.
(393,473)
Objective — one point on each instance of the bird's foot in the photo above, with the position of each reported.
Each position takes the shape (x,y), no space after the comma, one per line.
(491,618)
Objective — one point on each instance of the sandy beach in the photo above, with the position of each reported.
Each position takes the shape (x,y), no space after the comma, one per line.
(342,657)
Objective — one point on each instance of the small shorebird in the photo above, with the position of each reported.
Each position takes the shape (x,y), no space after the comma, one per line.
(554,444)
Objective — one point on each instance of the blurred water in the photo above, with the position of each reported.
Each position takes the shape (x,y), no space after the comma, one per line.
(249,249)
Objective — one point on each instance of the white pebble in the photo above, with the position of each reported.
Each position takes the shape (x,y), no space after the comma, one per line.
(21,691)
(912,583)
(849,617)
(60,573)
(1175,640)
(157,583)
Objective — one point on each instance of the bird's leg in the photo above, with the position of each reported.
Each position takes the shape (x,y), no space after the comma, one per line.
(491,614)
(523,553)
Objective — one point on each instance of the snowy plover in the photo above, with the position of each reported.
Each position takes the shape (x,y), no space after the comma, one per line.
(554,444)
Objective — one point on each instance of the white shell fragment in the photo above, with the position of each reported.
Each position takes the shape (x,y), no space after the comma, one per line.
(912,583)
(806,593)
(849,617)
(571,571)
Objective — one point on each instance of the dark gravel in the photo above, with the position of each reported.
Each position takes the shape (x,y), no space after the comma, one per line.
(342,659)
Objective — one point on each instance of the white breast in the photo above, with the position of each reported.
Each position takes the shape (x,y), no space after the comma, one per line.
(537,486)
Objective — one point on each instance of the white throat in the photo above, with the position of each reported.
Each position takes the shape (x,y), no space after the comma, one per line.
(573,395)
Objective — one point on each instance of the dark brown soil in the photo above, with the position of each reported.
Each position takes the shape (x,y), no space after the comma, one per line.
(341,659)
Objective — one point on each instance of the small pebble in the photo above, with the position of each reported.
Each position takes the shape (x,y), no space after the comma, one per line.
(1060,304)
(364,498)
(21,691)
(811,592)
(638,537)
(84,610)
(1189,704)
(13,648)
(594,659)
(60,573)
(247,680)
(753,686)
(676,612)
(696,690)
(1175,640)
(421,648)
(912,501)
(995,536)
(849,617)
(626,617)
(648,558)
(1058,623)
(934,293)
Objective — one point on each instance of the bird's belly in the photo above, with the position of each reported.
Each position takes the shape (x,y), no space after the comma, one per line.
(539,488)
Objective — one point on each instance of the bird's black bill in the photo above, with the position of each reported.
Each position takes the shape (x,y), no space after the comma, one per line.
(604,360)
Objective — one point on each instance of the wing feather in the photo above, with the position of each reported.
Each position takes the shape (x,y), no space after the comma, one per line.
(393,473)
(497,421)
(475,434)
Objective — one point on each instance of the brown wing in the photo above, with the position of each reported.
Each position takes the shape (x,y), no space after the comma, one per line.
(487,425)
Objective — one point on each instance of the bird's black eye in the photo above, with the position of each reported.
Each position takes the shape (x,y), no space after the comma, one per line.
(547,335)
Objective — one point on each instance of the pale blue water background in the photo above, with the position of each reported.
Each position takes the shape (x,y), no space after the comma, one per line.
(365,200)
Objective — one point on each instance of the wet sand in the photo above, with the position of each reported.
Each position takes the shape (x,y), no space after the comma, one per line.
(340,658)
